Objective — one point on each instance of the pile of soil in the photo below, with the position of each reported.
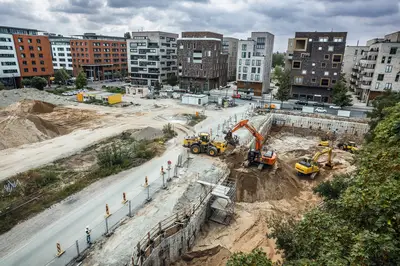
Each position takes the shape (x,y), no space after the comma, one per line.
(147,133)
(215,256)
(30,121)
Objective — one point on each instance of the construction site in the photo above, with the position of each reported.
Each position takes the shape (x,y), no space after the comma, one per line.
(223,179)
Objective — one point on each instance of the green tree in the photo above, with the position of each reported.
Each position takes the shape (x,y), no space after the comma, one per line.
(284,90)
(278,72)
(278,59)
(341,96)
(61,76)
(172,80)
(2,87)
(117,74)
(157,86)
(127,35)
(255,258)
(26,82)
(38,83)
(81,80)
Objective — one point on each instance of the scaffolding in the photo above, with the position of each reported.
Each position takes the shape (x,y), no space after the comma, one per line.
(222,203)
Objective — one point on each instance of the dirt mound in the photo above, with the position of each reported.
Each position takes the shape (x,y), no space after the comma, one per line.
(215,256)
(30,107)
(148,133)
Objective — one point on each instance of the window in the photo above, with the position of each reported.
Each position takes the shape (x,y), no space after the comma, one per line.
(21,48)
(33,62)
(296,64)
(240,61)
(8,63)
(6,47)
(243,54)
(320,48)
(388,86)
(337,58)
(23,55)
(389,60)
(298,80)
(61,54)
(334,65)
(9,71)
(326,57)
(41,62)
(338,39)
(355,52)
(253,70)
(60,49)
(239,76)
(323,39)
(37,40)
(257,78)
(26,70)
(324,82)
(326,73)
(397,77)
(304,72)
(313,80)
(330,48)
(323,65)
(313,72)
(244,69)
(377,85)
(383,59)
(258,70)
(32,55)
(388,69)
(393,50)
(335,74)
(29,40)
(249,54)
(310,40)
(258,63)
(39,48)
(380,77)
(333,81)
(40,55)
(253,62)
(313,64)
(240,69)
(19,39)
(30,48)
(188,59)
(43,69)
(300,44)
(244,47)
(24,63)
(34,69)
(247,62)
(244,76)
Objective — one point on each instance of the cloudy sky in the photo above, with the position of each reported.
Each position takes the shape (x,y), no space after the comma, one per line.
(362,19)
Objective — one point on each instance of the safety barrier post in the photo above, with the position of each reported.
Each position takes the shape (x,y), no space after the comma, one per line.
(130,208)
(107,211)
(124,198)
(146,185)
(176,171)
(59,250)
(77,247)
(163,178)
(169,170)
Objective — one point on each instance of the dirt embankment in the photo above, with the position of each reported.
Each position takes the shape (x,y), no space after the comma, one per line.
(32,121)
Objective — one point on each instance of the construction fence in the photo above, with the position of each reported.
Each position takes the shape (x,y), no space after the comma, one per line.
(113,219)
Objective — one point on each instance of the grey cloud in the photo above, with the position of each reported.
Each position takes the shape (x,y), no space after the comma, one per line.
(79,7)
(11,10)
(373,9)
(147,3)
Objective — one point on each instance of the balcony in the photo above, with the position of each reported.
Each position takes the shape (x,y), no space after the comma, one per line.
(366,78)
(368,60)
(368,70)
(373,53)
(365,85)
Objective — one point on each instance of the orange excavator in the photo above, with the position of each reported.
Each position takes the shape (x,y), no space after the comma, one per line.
(255,156)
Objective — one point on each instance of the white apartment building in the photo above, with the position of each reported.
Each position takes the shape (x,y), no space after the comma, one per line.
(9,68)
(378,69)
(61,52)
(152,57)
(254,63)
(352,55)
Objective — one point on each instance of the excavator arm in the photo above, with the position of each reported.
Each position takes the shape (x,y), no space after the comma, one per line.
(245,123)
(324,151)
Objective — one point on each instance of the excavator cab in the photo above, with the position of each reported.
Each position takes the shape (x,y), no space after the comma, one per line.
(310,166)
(204,137)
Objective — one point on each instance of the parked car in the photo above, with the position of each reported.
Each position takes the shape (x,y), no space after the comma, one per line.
(237,96)
(319,104)
(301,103)
(335,107)
(320,110)
(247,97)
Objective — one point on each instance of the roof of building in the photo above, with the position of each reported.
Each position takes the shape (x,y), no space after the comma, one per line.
(16,28)
(94,36)
(195,95)
(153,31)
(198,39)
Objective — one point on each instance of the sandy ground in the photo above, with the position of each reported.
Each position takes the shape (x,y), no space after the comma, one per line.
(261,197)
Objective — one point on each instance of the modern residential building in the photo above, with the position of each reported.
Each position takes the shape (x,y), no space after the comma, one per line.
(378,69)
(316,64)
(10,75)
(202,65)
(152,57)
(61,52)
(230,47)
(101,57)
(352,55)
(254,63)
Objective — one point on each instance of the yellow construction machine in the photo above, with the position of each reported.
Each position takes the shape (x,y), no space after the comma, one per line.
(310,166)
(203,144)
(349,146)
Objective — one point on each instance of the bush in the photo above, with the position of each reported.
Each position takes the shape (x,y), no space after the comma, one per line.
(38,83)
(168,131)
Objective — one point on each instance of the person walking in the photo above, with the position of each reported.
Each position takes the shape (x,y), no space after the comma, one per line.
(87,230)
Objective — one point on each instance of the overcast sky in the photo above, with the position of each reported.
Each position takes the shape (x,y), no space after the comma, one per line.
(362,20)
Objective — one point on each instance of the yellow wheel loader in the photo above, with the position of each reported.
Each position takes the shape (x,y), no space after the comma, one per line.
(203,144)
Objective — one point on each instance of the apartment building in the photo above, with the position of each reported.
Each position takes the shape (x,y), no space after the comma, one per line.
(10,75)
(61,52)
(378,69)
(202,65)
(152,57)
(254,63)
(352,55)
(316,64)
(230,47)
(99,56)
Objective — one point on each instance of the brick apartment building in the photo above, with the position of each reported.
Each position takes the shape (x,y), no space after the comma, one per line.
(202,65)
(99,56)
(315,61)
(23,54)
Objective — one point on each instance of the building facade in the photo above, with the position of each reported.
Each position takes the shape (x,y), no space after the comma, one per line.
(61,52)
(254,63)
(230,47)
(352,55)
(202,65)
(316,64)
(100,57)
(378,69)
(152,57)
(10,74)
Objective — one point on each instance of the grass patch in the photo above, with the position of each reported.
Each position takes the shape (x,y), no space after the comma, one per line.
(193,119)
(114,89)
(40,188)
